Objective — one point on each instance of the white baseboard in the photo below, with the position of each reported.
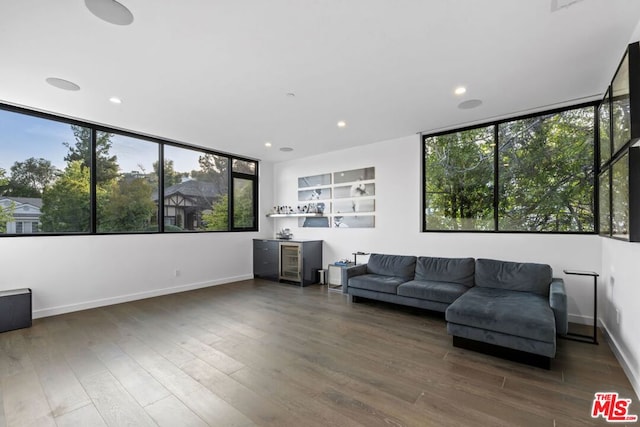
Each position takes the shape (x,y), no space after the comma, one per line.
(62,309)
(634,377)
(580,319)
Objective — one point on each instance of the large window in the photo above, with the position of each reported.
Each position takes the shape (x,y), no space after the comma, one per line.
(126,180)
(620,198)
(604,187)
(59,176)
(619,175)
(604,126)
(534,174)
(40,180)
(546,172)
(244,200)
(196,190)
(459,180)
(621,106)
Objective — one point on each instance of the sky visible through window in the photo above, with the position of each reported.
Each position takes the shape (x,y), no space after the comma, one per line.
(47,158)
(23,136)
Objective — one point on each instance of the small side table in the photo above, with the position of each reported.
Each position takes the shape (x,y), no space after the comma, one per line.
(586,338)
(334,276)
(355,255)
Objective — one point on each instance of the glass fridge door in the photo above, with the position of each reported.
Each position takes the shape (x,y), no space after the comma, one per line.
(290,262)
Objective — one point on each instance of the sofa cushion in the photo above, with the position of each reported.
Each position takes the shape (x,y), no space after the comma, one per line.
(446,292)
(392,265)
(454,270)
(523,314)
(376,282)
(516,276)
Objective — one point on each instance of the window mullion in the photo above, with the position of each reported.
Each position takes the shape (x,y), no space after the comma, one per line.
(496,178)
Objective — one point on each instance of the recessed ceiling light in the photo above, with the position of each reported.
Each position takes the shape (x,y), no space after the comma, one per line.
(62,83)
(286,149)
(115,100)
(471,103)
(110,11)
(267,144)
(342,124)
(460,90)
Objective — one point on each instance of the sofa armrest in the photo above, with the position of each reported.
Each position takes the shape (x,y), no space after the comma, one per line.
(558,303)
(347,273)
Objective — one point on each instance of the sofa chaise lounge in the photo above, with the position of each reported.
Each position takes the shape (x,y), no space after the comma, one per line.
(501,307)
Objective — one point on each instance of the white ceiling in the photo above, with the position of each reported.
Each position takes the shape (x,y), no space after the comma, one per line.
(216,73)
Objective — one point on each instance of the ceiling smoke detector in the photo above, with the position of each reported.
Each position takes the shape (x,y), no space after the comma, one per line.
(110,11)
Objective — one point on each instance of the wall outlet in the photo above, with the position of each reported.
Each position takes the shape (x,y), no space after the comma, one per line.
(618,315)
(176,273)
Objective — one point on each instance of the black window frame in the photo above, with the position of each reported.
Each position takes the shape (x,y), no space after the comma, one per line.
(627,150)
(162,142)
(254,199)
(496,159)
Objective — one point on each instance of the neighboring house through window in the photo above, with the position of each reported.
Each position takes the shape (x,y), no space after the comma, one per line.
(26,214)
(185,202)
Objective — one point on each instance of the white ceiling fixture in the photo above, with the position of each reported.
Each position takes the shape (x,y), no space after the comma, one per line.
(342,124)
(115,100)
(460,90)
(469,104)
(267,144)
(286,149)
(62,83)
(110,11)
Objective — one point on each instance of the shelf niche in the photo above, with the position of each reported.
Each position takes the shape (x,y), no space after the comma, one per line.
(294,215)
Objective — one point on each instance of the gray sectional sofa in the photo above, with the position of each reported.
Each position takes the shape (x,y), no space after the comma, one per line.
(423,282)
(489,305)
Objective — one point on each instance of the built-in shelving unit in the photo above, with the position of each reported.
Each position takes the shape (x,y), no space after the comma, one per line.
(293,215)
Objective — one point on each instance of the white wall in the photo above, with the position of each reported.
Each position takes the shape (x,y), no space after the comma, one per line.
(619,296)
(69,273)
(397,229)
(620,293)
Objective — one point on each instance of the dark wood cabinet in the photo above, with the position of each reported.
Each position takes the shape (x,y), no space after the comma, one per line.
(295,261)
(266,259)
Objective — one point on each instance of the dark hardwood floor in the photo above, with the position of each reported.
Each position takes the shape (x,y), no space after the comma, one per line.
(268,354)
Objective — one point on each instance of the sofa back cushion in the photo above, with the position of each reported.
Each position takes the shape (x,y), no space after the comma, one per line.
(392,265)
(453,270)
(515,276)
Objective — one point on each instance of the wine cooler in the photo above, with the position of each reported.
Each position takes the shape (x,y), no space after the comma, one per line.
(290,262)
